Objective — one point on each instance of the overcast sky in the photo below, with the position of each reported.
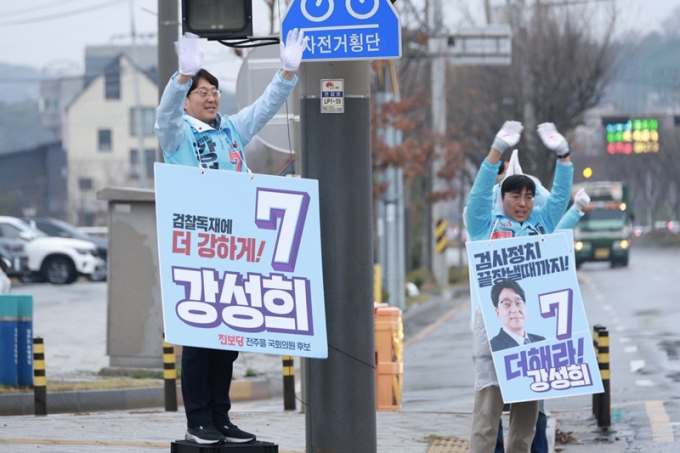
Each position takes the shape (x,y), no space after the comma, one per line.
(52,34)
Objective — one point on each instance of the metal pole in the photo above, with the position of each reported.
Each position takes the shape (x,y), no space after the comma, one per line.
(336,150)
(288,382)
(168,20)
(604,418)
(138,121)
(169,377)
(39,377)
(437,45)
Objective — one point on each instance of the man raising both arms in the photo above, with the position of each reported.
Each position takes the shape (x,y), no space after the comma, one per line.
(192,132)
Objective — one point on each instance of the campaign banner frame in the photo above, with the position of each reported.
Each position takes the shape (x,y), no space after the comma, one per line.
(240,261)
(560,360)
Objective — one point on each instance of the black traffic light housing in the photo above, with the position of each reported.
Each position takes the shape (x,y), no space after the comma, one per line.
(218,19)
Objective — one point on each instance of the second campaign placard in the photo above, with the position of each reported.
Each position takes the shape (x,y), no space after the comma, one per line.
(534,316)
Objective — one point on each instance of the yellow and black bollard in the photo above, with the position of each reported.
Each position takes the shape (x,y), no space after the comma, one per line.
(169,377)
(597,397)
(288,383)
(604,417)
(39,377)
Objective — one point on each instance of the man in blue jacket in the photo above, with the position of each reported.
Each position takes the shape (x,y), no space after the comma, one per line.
(192,132)
(515,216)
(568,221)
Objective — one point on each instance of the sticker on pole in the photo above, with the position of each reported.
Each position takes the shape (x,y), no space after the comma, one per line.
(332,96)
(346,29)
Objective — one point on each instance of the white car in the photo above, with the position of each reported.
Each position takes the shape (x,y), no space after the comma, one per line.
(57,260)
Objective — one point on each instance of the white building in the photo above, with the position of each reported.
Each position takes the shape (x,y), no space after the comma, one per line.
(101,139)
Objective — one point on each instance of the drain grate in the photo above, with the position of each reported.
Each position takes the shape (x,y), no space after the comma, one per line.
(449,445)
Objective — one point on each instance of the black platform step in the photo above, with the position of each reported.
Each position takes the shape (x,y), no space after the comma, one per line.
(182,446)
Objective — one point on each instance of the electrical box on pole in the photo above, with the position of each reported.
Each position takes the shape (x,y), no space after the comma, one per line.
(218,19)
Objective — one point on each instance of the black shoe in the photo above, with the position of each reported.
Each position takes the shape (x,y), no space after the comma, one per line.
(234,435)
(204,435)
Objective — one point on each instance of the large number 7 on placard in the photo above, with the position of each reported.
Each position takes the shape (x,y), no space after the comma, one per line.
(291,208)
(558,303)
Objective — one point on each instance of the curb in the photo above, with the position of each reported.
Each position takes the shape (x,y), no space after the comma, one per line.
(128,398)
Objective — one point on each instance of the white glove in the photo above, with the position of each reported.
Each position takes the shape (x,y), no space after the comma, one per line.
(190,55)
(553,140)
(291,53)
(581,200)
(508,136)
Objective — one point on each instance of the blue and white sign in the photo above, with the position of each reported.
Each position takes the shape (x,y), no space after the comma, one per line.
(240,261)
(346,29)
(534,316)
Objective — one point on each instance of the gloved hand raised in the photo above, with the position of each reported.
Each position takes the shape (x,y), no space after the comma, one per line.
(291,52)
(189,53)
(508,136)
(553,140)
(581,200)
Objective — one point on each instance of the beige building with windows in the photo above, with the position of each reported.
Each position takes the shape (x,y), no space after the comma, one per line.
(101,136)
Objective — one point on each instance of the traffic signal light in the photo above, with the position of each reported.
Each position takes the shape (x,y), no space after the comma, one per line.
(218,19)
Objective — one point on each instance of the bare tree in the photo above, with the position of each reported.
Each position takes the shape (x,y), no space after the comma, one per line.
(561,64)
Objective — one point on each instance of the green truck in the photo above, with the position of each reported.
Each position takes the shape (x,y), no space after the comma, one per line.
(604,232)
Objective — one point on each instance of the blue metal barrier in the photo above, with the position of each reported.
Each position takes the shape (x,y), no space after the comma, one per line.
(9,344)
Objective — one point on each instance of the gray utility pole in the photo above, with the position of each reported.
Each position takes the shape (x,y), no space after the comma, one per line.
(390,215)
(437,46)
(139,120)
(167,59)
(340,412)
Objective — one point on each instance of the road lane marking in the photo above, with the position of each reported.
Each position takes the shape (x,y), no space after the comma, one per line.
(645,383)
(636,365)
(629,349)
(662,431)
(607,307)
(624,339)
(619,328)
(429,329)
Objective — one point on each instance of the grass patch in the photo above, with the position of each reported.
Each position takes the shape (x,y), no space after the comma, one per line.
(432,438)
(101,384)
(411,301)
(146,374)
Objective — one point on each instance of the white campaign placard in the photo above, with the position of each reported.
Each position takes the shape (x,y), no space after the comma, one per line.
(240,261)
(528,284)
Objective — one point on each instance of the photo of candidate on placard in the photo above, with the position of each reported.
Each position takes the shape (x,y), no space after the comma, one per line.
(512,309)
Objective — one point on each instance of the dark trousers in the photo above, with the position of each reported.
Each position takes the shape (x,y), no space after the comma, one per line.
(206,378)
(540,442)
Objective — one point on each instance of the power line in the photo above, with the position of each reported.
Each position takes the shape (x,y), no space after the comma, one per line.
(33,9)
(59,15)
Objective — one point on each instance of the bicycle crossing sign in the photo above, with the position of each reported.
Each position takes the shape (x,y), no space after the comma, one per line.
(346,29)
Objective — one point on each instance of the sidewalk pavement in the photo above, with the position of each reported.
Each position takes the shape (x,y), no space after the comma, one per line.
(419,427)
(153,430)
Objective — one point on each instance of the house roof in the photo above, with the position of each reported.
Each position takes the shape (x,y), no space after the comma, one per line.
(113,65)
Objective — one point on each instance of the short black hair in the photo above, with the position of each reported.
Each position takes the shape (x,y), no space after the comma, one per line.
(516,183)
(203,74)
(503,284)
